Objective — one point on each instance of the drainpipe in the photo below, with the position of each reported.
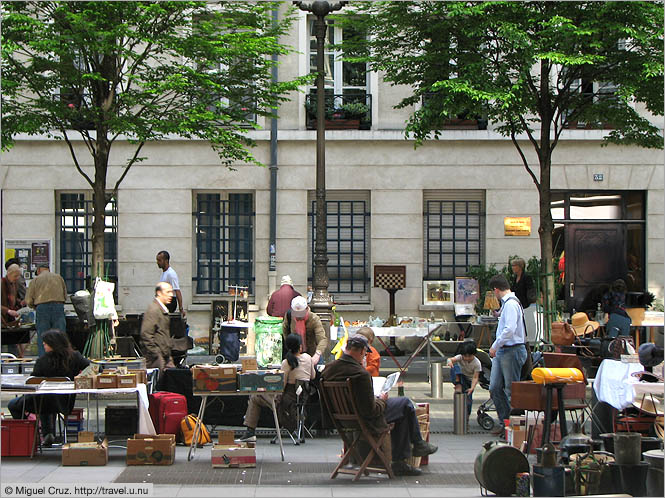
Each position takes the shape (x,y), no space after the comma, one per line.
(272,251)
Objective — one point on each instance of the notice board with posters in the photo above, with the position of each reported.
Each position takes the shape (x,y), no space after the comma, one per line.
(31,253)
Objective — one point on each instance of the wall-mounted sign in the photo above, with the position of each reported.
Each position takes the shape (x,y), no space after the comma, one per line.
(517,227)
(31,253)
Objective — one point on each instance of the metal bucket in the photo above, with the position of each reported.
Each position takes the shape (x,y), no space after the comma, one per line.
(549,481)
(459,413)
(496,466)
(436,379)
(628,448)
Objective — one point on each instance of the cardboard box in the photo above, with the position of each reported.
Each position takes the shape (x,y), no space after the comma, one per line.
(555,435)
(261,380)
(106,381)
(146,449)
(128,380)
(516,436)
(227,453)
(84,382)
(214,378)
(249,364)
(87,452)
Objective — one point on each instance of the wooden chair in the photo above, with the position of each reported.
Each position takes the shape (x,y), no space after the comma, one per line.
(341,405)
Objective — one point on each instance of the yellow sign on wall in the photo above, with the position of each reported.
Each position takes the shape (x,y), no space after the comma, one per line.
(517,227)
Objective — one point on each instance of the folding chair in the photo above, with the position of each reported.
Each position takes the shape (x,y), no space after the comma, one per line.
(304,389)
(61,417)
(341,405)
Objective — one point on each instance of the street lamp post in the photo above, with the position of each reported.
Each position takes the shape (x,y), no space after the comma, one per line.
(321,302)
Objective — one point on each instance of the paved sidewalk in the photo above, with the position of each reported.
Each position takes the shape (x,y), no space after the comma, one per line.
(305,471)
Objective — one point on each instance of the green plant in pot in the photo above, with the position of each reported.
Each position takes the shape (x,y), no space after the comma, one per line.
(354,110)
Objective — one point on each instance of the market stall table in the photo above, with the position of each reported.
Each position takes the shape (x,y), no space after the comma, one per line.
(650,320)
(145,422)
(206,394)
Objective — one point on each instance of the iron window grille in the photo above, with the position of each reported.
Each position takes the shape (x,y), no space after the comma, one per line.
(347,246)
(74,219)
(224,242)
(453,237)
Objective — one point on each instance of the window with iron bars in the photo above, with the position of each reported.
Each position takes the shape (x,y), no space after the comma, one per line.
(74,221)
(454,231)
(348,239)
(224,225)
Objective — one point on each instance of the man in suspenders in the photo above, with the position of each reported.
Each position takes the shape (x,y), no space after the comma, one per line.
(508,350)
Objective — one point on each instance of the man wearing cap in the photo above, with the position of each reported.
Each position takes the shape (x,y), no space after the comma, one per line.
(47,294)
(301,320)
(280,301)
(508,350)
(378,411)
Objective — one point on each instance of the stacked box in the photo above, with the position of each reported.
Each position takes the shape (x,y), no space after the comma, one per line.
(75,420)
(12,367)
(105,381)
(81,382)
(229,454)
(261,380)
(422,414)
(146,449)
(209,378)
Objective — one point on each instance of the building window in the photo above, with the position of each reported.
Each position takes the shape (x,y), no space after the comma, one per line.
(348,239)
(454,233)
(346,83)
(74,218)
(224,242)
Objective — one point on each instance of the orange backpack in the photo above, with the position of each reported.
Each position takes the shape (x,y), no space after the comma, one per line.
(187,425)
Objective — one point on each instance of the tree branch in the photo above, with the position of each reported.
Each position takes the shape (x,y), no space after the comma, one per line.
(524,161)
(76,162)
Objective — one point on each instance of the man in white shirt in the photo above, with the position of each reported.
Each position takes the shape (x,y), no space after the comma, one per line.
(169,275)
(508,350)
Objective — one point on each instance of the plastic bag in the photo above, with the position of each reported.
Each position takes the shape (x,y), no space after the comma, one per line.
(104,307)
(83,305)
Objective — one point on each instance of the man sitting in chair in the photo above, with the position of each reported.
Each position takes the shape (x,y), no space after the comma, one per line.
(378,411)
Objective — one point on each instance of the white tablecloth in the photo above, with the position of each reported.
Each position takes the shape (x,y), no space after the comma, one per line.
(615,385)
(338,332)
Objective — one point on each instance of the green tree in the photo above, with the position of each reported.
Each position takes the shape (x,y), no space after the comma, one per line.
(138,72)
(532,68)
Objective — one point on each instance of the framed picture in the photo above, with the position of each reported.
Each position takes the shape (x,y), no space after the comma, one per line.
(466,290)
(438,292)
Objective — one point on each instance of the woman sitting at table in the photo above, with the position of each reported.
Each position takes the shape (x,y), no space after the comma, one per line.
(614,304)
(60,360)
(296,366)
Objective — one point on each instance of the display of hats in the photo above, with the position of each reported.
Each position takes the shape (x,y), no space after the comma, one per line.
(649,404)
(582,325)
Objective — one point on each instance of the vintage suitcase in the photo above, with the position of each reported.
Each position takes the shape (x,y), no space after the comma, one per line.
(167,410)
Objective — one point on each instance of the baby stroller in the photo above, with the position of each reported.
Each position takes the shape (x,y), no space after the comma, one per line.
(485,420)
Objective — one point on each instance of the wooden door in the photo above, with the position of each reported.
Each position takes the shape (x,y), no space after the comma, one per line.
(595,255)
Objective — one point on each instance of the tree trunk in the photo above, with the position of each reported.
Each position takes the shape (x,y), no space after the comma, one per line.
(99,210)
(545,234)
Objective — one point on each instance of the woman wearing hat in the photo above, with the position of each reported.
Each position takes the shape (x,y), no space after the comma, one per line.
(307,324)
(614,304)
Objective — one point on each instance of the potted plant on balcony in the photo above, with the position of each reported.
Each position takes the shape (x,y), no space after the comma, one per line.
(343,117)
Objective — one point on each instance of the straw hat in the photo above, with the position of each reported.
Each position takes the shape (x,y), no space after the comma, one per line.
(582,325)
(649,404)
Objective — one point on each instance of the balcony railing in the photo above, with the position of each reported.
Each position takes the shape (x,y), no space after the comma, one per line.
(342,112)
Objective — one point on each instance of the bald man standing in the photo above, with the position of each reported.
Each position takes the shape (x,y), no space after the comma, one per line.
(155,329)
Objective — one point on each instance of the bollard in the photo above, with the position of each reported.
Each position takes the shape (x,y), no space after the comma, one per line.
(436,379)
(459,413)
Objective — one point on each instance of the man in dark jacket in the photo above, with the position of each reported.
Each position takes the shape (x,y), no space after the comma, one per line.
(155,329)
(378,411)
(280,300)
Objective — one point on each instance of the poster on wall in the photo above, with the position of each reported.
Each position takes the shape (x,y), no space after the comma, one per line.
(31,253)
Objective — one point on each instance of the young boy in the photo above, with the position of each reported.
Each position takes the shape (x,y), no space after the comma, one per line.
(465,371)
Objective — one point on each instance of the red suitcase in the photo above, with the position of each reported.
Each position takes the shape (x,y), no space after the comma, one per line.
(167,410)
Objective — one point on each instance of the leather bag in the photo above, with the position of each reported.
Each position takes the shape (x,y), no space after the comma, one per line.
(562,334)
